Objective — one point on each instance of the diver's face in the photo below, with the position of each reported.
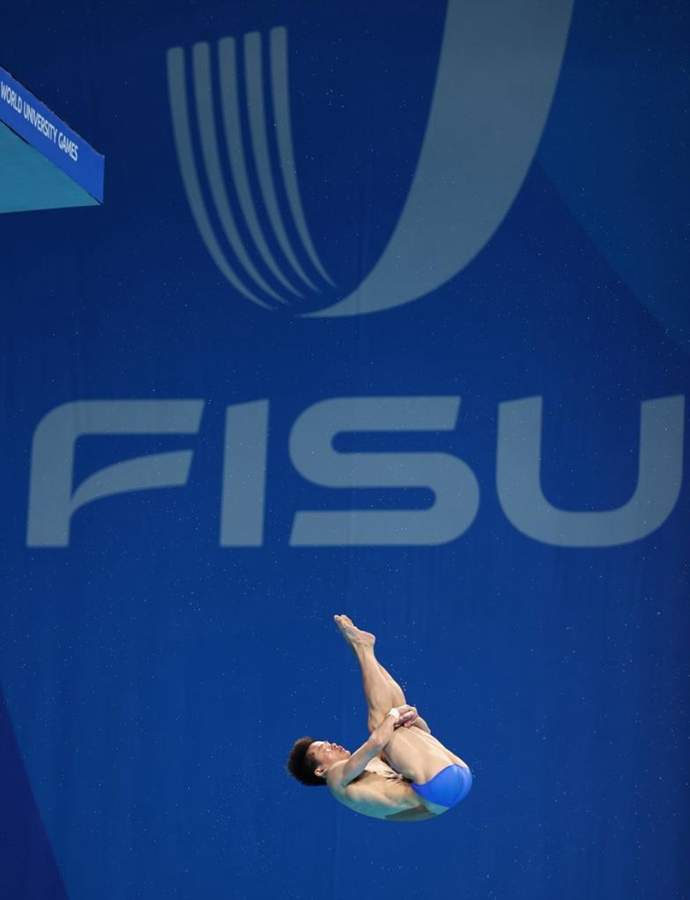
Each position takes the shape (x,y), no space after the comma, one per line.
(326,753)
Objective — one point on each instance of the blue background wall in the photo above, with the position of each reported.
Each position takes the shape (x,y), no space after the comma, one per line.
(154,674)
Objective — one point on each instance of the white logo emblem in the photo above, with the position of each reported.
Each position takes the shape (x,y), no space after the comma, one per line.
(497,71)
(53,497)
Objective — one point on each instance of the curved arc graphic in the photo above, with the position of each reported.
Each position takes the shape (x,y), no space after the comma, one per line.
(227,62)
(281,108)
(180,120)
(209,148)
(257,124)
(496,78)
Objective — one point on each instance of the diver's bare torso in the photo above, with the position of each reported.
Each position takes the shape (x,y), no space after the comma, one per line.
(381,793)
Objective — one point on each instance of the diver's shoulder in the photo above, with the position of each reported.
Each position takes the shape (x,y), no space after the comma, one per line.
(335,775)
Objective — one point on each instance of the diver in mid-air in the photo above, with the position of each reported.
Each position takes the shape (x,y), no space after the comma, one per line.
(401,773)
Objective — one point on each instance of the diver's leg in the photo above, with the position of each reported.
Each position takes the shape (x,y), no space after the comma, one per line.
(379,690)
(412,752)
(397,695)
(417,755)
(399,700)
(372,684)
(453,757)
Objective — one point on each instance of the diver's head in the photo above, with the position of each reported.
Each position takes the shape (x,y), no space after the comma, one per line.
(310,760)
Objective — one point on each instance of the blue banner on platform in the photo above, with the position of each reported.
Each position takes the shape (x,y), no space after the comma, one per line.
(42,129)
(385,315)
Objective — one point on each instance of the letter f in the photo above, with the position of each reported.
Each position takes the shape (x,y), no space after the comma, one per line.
(52,502)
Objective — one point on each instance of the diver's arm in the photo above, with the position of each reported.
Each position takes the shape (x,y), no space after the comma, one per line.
(342,774)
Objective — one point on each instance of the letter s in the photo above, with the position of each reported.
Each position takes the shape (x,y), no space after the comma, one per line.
(455,488)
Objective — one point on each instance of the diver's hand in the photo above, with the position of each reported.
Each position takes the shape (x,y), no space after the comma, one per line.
(408,714)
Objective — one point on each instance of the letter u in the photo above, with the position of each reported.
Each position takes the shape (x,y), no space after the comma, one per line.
(518,478)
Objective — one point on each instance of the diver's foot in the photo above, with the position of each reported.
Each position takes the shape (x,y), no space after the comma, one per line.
(353,635)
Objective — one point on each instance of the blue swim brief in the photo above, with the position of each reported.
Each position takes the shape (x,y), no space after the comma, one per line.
(449,787)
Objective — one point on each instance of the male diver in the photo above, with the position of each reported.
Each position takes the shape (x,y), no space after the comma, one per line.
(401,773)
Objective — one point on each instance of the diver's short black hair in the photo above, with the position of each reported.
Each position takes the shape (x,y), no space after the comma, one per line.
(301,766)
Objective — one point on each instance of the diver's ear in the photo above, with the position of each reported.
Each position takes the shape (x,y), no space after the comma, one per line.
(320,771)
